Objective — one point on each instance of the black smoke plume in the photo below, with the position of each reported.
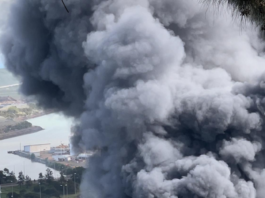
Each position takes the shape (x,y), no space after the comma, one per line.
(170,93)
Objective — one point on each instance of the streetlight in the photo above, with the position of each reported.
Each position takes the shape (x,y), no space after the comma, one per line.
(74,182)
(63,189)
(40,189)
(66,190)
(12,189)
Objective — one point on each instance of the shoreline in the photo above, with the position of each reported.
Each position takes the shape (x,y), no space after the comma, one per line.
(33,116)
(12,134)
(33,129)
(56,165)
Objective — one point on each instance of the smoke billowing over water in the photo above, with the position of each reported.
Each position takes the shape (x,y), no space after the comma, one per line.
(171,92)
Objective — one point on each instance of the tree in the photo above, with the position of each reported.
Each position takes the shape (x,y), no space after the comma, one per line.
(41,177)
(6,171)
(15,195)
(32,195)
(2,177)
(32,157)
(28,181)
(11,177)
(62,178)
(22,192)
(49,175)
(71,186)
(51,192)
(21,178)
(76,174)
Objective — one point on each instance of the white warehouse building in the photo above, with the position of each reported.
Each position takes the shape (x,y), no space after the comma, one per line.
(37,148)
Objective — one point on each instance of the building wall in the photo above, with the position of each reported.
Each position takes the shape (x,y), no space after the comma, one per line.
(37,148)
(27,149)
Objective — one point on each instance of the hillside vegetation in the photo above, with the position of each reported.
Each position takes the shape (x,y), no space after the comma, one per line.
(18,126)
(14,112)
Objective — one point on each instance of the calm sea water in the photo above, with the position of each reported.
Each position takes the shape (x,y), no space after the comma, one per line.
(56,131)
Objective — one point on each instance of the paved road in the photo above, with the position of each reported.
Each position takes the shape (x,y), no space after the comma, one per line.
(7,185)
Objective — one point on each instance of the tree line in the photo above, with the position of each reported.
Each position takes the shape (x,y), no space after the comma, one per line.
(46,184)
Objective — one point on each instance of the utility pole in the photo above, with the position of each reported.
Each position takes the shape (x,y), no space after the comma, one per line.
(12,189)
(63,190)
(74,183)
(66,190)
(40,189)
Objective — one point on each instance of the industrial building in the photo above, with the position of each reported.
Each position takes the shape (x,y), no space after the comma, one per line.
(37,148)
(60,150)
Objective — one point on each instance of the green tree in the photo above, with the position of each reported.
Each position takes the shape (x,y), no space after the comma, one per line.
(71,187)
(22,192)
(2,177)
(41,178)
(51,192)
(14,195)
(32,157)
(28,181)
(76,174)
(21,178)
(6,171)
(12,177)
(32,195)
(62,178)
(49,175)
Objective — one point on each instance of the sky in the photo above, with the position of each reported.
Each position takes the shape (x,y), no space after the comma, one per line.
(1,61)
(3,16)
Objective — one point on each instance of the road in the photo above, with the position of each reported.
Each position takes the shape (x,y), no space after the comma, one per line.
(8,185)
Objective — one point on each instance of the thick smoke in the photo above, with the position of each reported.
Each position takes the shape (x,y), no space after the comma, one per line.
(170,93)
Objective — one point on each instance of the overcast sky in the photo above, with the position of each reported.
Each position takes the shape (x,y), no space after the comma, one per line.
(4,8)
(1,61)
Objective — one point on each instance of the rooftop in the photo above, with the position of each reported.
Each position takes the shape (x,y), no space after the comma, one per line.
(38,144)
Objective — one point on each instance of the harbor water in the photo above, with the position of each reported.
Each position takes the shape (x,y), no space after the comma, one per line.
(56,131)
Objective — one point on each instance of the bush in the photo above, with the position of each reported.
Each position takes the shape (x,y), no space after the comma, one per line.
(15,195)
(51,192)
(31,195)
(19,126)
(36,189)
(57,185)
(22,192)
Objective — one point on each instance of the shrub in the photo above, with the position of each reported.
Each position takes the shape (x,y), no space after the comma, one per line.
(15,195)
(31,195)
(51,192)
(36,189)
